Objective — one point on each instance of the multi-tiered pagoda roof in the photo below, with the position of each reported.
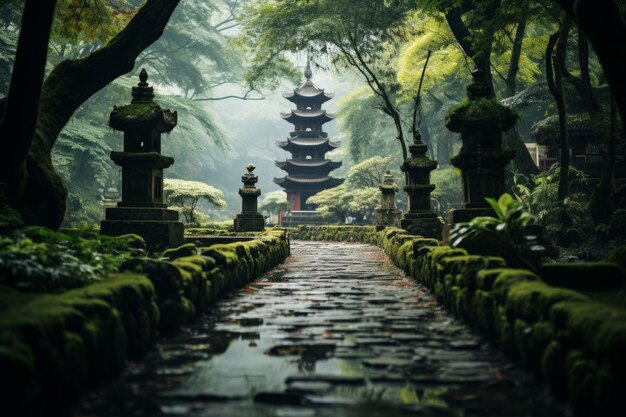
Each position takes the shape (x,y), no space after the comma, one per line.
(308,170)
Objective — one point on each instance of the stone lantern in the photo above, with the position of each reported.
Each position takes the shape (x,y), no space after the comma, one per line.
(387,214)
(420,219)
(480,121)
(142,210)
(110,197)
(249,220)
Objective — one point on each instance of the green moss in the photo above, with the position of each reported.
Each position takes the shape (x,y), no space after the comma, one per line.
(506,277)
(533,301)
(532,340)
(484,310)
(224,255)
(132,241)
(10,298)
(486,278)
(476,113)
(188,249)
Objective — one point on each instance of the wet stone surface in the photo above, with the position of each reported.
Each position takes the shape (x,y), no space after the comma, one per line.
(335,331)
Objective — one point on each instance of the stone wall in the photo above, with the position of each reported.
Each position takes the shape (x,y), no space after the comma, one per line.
(53,347)
(574,343)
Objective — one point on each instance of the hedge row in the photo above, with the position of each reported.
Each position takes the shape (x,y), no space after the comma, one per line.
(52,347)
(363,234)
(577,345)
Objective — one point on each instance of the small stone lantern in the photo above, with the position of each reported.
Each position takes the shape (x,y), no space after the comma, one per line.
(387,214)
(249,220)
(142,210)
(480,121)
(420,219)
(110,197)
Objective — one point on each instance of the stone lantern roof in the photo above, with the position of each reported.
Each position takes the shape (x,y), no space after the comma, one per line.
(143,111)
(389,184)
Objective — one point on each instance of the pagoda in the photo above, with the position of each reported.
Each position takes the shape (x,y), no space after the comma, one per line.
(308,170)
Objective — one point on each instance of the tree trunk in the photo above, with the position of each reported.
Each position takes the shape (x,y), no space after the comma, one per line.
(21,107)
(601,22)
(561,47)
(516,53)
(523,161)
(603,202)
(481,56)
(69,85)
(565,151)
(591,104)
(555,84)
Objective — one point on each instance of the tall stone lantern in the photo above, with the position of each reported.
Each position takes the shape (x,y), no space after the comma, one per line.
(387,214)
(142,210)
(420,219)
(249,220)
(480,120)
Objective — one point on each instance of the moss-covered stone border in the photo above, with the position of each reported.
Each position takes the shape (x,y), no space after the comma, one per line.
(577,345)
(54,347)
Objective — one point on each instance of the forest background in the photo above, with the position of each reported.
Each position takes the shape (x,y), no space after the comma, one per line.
(209,67)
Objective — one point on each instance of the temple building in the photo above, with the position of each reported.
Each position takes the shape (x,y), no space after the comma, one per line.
(308,170)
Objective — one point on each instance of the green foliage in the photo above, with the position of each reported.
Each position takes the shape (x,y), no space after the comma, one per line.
(89,21)
(41,260)
(192,54)
(448,193)
(505,235)
(539,195)
(8,47)
(188,194)
(359,195)
(274,201)
(337,28)
(368,173)
(367,130)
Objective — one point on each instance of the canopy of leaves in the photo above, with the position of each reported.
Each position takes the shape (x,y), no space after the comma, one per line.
(368,131)
(359,194)
(274,201)
(182,192)
(368,173)
(345,31)
(448,193)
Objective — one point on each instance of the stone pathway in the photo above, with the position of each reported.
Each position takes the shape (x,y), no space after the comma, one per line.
(335,331)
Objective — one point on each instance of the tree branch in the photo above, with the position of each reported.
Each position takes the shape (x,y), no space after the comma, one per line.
(69,85)
(244,97)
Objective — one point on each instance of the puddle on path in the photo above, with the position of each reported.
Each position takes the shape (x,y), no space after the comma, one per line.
(335,331)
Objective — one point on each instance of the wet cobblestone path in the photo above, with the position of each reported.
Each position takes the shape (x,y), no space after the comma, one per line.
(335,331)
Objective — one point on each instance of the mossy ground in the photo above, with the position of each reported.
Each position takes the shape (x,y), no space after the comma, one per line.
(54,346)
